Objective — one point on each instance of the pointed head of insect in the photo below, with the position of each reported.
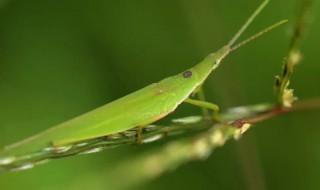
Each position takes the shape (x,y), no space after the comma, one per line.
(214,59)
(219,55)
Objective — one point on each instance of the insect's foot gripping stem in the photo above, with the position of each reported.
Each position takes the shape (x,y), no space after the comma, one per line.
(207,105)
(139,135)
(201,96)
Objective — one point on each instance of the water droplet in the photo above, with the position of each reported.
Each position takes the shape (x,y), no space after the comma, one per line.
(187,120)
(129,133)
(115,136)
(7,160)
(82,144)
(25,166)
(61,149)
(48,149)
(150,128)
(93,150)
(152,138)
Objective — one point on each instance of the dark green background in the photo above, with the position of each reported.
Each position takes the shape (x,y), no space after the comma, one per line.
(61,58)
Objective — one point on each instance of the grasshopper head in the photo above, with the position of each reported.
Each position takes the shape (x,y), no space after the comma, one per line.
(220,55)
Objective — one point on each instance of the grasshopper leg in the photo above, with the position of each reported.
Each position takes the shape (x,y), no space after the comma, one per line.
(139,135)
(200,96)
(205,105)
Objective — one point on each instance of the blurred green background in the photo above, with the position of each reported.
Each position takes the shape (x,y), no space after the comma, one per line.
(59,59)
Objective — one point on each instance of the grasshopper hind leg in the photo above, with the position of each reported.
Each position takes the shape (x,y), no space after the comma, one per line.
(206,106)
(199,93)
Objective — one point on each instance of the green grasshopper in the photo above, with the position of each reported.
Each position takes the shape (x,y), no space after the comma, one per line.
(135,110)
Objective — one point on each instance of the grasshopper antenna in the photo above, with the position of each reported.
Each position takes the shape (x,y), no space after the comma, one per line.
(257,35)
(248,22)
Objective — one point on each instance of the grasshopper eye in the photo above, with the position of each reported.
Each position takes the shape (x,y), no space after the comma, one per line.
(187,74)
